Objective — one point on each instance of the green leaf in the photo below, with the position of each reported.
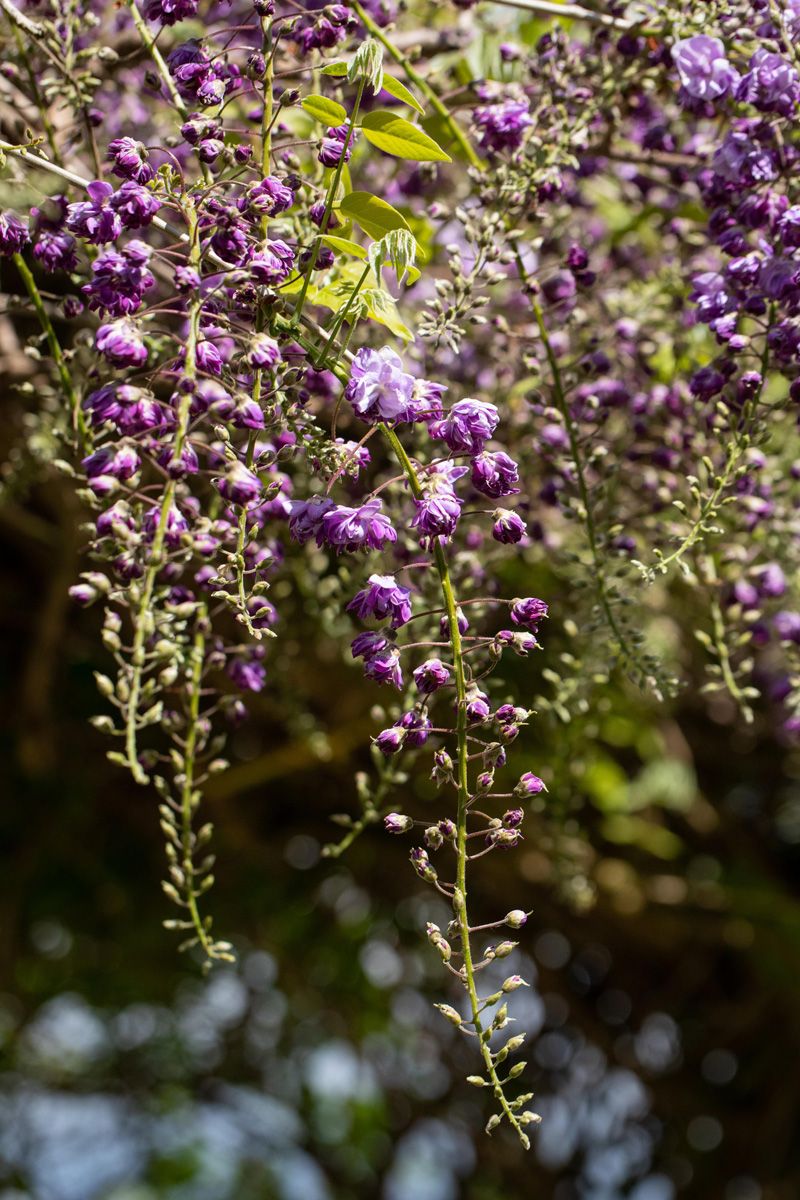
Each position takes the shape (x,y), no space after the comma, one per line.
(400,92)
(398,249)
(382,308)
(367,64)
(328,112)
(335,68)
(345,246)
(375,216)
(398,137)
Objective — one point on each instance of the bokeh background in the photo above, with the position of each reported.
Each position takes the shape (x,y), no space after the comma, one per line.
(664,944)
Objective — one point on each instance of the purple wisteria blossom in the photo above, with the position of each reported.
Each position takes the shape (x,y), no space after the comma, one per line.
(383,667)
(55,250)
(13,234)
(248,674)
(502,126)
(240,485)
(703,67)
(382,597)
(122,344)
(94,219)
(169,12)
(269,197)
(528,612)
(437,512)
(529,785)
(397,823)
(771,84)
(431,675)
(379,389)
(350,529)
(305,517)
(119,280)
(508,527)
(468,426)
(130,159)
(332,146)
(495,474)
(271,263)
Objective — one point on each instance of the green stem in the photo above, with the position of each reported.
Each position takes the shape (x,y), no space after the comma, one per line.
(266,151)
(188,798)
(454,129)
(329,199)
(372,812)
(149,42)
(562,405)
(241,536)
(143,621)
(78,419)
(341,317)
(267,115)
(462,778)
(37,93)
(740,443)
(720,645)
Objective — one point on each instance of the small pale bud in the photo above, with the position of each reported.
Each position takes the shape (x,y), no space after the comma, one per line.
(516,918)
(433,837)
(513,982)
(450,1013)
(104,685)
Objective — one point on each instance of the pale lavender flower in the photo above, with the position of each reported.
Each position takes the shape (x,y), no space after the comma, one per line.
(379,389)
(704,70)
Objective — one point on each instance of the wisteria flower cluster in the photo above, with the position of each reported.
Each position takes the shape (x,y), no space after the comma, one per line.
(271,223)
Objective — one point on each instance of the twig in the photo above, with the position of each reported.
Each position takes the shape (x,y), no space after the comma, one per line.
(572,11)
(21,21)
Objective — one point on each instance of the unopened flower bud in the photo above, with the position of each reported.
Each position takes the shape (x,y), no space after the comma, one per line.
(422,865)
(529,785)
(450,1013)
(514,1043)
(516,918)
(442,768)
(513,982)
(441,944)
(104,685)
(397,823)
(433,837)
(504,837)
